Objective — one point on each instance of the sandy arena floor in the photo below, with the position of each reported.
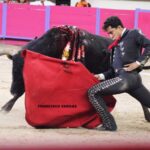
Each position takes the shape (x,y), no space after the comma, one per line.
(133,130)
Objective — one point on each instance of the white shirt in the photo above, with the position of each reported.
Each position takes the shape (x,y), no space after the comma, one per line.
(46,3)
(123,31)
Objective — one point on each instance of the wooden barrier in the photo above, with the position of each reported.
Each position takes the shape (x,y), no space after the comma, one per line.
(143,21)
(84,18)
(1,34)
(24,21)
(127,17)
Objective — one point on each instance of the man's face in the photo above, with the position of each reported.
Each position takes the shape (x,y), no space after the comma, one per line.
(114,33)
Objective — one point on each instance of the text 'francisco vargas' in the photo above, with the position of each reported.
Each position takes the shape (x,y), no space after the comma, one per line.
(57,106)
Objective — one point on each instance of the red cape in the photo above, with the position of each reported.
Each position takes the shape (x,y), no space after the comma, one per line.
(56,93)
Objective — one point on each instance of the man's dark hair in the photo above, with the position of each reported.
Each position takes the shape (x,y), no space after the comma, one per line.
(112,21)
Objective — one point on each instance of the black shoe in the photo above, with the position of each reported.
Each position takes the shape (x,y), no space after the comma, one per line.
(101,128)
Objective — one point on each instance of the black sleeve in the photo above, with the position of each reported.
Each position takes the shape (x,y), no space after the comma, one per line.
(144,43)
(109,74)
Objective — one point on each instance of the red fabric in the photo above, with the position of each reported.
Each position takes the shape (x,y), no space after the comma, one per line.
(115,43)
(56,93)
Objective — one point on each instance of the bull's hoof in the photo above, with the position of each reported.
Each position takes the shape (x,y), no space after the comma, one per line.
(7,107)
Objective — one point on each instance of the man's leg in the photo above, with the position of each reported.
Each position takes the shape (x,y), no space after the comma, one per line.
(109,87)
(142,94)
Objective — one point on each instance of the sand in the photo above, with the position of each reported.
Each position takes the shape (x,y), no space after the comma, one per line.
(133,131)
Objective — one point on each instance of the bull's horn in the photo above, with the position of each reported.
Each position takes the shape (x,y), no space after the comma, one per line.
(146,67)
(10,51)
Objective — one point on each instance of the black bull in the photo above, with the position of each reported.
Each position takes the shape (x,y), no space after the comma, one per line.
(52,43)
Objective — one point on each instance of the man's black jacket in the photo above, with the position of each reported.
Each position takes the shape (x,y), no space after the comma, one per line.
(131,44)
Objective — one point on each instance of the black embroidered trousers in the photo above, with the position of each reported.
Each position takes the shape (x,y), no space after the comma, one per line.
(129,82)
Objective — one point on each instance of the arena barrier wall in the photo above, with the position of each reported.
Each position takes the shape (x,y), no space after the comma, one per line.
(83,18)
(24,21)
(1,20)
(143,21)
(127,17)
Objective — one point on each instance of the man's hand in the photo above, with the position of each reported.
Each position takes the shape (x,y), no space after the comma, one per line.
(100,76)
(132,66)
(97,76)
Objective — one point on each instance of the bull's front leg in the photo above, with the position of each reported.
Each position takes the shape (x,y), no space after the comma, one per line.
(146,113)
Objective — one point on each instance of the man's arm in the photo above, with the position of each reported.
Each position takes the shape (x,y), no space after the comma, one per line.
(145,43)
(105,75)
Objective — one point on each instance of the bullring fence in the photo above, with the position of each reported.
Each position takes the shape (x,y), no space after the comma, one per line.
(24,21)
